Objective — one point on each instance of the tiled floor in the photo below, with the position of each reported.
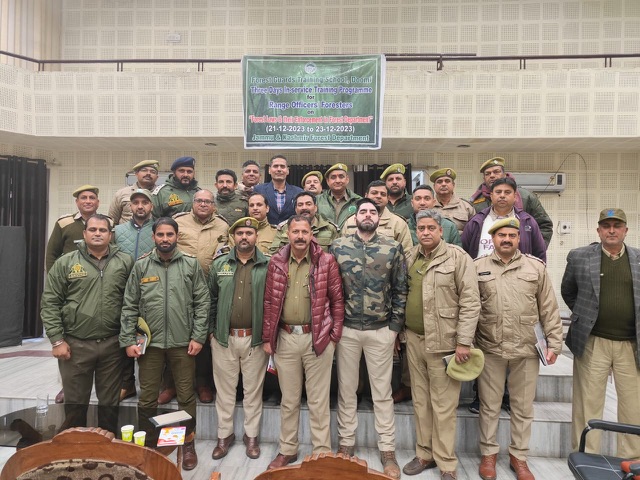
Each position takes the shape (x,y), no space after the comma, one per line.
(28,369)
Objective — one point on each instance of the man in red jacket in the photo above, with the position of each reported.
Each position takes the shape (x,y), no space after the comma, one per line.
(303,315)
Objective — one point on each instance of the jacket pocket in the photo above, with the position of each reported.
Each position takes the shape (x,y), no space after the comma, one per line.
(527,333)
(528,283)
(448,332)
(487,287)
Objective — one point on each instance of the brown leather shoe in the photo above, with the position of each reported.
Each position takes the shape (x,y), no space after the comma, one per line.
(448,476)
(189,456)
(252,446)
(127,393)
(487,468)
(346,450)
(166,395)
(402,394)
(60,396)
(282,461)
(521,468)
(417,465)
(222,448)
(390,464)
(205,394)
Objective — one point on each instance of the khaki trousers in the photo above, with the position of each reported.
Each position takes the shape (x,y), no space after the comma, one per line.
(523,377)
(377,346)
(590,376)
(238,357)
(435,403)
(295,361)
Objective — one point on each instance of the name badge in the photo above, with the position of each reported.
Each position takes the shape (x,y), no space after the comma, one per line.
(150,279)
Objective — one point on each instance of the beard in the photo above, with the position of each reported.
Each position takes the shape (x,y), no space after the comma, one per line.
(166,248)
(367,225)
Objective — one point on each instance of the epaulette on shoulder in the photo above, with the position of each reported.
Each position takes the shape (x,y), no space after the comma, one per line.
(221,217)
(480,199)
(457,247)
(66,220)
(528,255)
(157,189)
(466,201)
(144,255)
(188,255)
(281,225)
(224,250)
(180,214)
(335,225)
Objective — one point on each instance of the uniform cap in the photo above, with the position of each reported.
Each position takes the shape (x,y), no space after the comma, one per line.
(314,173)
(337,166)
(146,163)
(613,213)
(470,370)
(395,168)
(492,162)
(183,162)
(85,188)
(244,222)
(443,172)
(510,222)
(141,191)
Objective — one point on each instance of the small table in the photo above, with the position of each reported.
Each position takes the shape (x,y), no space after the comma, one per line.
(27,427)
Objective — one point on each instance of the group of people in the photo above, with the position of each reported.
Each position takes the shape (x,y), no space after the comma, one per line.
(302,276)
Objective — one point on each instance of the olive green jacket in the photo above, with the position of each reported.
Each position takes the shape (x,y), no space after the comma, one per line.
(326,207)
(323,231)
(172,197)
(222,284)
(172,298)
(82,301)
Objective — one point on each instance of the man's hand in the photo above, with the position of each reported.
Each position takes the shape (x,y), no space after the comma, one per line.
(133,351)
(551,357)
(267,348)
(194,348)
(62,351)
(463,353)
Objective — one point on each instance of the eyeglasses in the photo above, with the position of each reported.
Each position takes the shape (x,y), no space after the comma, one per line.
(203,201)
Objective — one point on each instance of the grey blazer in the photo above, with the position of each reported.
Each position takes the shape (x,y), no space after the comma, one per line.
(580,290)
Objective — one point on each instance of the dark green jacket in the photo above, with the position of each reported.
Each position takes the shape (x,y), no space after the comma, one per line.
(172,298)
(231,207)
(82,301)
(402,207)
(449,231)
(323,231)
(327,209)
(172,197)
(222,284)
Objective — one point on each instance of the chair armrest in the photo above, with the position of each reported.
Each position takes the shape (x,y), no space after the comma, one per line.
(595,424)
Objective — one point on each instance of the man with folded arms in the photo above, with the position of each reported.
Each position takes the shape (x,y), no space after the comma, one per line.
(515,294)
(442,312)
(303,315)
(236,281)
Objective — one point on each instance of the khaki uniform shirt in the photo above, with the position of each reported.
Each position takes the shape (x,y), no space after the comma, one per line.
(391,226)
(201,240)
(323,231)
(120,207)
(459,211)
(266,234)
(297,302)
(241,303)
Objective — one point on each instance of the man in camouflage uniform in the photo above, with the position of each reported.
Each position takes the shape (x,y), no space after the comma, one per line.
(68,230)
(390,224)
(230,205)
(323,231)
(250,178)
(176,194)
(312,182)
(374,278)
(147,174)
(456,209)
(492,170)
(337,203)
(399,198)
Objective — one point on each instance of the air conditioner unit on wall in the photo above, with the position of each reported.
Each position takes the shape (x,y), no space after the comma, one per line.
(541,182)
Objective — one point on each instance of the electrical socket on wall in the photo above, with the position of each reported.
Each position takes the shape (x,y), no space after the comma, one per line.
(564,228)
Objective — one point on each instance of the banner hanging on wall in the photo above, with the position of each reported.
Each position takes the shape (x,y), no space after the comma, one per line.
(313,102)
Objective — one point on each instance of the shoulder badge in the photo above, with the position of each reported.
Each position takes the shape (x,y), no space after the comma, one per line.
(144,255)
(528,255)
(174,199)
(188,255)
(66,220)
(281,225)
(157,189)
(76,271)
(222,251)
(467,201)
(225,271)
(180,214)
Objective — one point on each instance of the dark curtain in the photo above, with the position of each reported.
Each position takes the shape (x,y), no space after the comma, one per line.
(360,178)
(23,203)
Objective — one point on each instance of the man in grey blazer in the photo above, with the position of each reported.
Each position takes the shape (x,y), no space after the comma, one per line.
(601,286)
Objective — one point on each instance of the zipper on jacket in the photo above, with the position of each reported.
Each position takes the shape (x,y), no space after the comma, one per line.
(166,301)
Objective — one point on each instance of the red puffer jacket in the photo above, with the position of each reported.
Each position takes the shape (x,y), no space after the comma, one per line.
(327,300)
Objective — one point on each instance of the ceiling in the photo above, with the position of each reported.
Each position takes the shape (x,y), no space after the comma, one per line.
(234,144)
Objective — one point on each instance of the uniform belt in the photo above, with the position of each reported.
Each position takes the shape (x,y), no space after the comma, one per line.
(240,332)
(295,329)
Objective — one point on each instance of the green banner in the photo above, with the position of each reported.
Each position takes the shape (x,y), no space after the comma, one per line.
(313,102)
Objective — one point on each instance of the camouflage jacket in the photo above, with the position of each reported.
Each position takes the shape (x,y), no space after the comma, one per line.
(374,276)
(323,231)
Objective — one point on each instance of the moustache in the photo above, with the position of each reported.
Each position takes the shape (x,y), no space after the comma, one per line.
(504,244)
